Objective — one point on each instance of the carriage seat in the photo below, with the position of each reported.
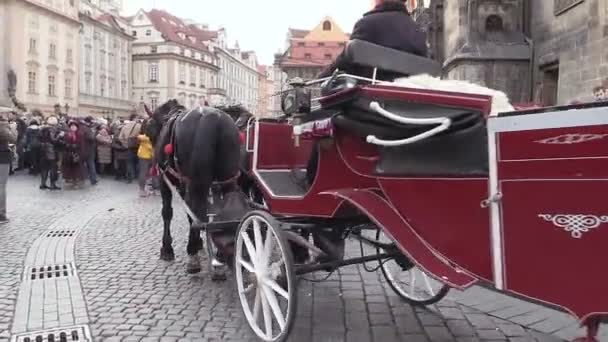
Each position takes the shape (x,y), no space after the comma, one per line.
(461,150)
(390,63)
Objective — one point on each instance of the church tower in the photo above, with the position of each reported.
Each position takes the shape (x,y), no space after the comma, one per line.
(483,41)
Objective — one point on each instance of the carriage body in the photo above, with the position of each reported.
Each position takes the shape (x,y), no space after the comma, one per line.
(513,200)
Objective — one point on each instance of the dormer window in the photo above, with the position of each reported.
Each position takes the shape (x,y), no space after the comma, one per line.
(494,23)
(192,39)
(326,25)
(181,35)
(148,33)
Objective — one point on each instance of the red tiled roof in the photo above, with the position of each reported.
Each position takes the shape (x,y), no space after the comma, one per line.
(297,33)
(204,35)
(311,53)
(171,32)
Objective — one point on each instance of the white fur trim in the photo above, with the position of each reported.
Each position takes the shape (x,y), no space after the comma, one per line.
(500,101)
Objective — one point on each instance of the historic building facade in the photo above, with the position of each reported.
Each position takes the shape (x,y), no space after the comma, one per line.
(307,53)
(105,72)
(39,41)
(171,59)
(549,52)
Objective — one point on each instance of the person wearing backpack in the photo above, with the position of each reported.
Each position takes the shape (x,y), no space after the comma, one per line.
(128,139)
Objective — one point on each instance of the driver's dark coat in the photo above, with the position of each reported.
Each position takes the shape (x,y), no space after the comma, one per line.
(388,25)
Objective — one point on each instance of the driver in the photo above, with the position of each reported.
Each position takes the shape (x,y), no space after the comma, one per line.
(388,24)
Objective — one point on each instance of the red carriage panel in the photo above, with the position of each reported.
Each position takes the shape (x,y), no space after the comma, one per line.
(558,143)
(286,198)
(552,174)
(447,214)
(408,241)
(276,140)
(555,233)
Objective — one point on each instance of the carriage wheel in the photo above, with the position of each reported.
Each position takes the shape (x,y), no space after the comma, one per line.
(410,282)
(265,277)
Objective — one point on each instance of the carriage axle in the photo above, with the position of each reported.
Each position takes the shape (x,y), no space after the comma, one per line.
(305,269)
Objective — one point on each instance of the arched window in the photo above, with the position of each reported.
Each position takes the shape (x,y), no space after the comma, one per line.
(494,23)
(326,25)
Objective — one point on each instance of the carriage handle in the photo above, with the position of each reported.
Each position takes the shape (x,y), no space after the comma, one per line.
(248,134)
(444,124)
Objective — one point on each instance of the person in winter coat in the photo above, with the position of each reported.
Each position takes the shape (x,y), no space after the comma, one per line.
(89,148)
(389,24)
(49,159)
(104,150)
(145,153)
(32,146)
(72,166)
(8,135)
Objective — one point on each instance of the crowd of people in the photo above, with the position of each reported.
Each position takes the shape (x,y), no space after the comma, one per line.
(78,149)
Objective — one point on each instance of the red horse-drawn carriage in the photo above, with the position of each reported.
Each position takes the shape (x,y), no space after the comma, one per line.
(445,194)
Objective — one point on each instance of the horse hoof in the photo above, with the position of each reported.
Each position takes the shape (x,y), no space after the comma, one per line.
(218,276)
(193,270)
(167,256)
(194,264)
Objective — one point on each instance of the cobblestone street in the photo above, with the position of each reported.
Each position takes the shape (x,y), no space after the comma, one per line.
(131,295)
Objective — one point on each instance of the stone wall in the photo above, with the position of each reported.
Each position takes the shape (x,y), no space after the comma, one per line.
(577,39)
(455,25)
(510,77)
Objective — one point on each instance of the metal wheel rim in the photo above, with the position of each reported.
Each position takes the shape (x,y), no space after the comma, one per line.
(406,288)
(269,290)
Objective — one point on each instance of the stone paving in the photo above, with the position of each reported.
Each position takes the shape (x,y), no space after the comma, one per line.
(131,295)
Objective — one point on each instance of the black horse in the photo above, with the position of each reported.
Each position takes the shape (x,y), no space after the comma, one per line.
(198,153)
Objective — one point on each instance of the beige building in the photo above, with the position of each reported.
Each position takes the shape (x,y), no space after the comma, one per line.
(266,91)
(105,72)
(39,41)
(171,59)
(238,74)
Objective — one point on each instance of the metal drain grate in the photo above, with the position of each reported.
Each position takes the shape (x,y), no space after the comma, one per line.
(48,272)
(60,233)
(78,333)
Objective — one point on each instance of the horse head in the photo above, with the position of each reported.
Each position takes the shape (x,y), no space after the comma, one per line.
(159,117)
(239,114)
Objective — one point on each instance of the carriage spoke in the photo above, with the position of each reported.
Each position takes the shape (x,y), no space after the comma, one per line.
(277,288)
(412,273)
(256,304)
(249,246)
(249,267)
(266,313)
(259,246)
(274,305)
(428,284)
(268,245)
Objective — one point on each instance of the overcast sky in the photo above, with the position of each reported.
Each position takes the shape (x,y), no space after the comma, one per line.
(259,25)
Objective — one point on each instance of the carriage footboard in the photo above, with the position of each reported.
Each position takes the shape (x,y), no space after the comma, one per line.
(409,242)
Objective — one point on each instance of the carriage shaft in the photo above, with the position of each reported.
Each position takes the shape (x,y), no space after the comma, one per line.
(304,269)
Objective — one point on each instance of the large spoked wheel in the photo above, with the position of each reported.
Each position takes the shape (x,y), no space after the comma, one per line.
(408,281)
(265,277)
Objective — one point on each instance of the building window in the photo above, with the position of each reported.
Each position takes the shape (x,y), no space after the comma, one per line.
(328,56)
(134,33)
(33,46)
(307,56)
(111,88)
(88,55)
(148,33)
(494,23)
(51,85)
(68,88)
(326,25)
(182,51)
(153,49)
(87,84)
(52,51)
(182,73)
(31,82)
(72,3)
(102,88)
(321,44)
(123,89)
(69,56)
(153,102)
(192,76)
(153,73)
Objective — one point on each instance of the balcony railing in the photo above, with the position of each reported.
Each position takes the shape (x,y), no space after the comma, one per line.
(216,91)
(101,101)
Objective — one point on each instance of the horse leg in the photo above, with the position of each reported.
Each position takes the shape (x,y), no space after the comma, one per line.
(195,242)
(166,251)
